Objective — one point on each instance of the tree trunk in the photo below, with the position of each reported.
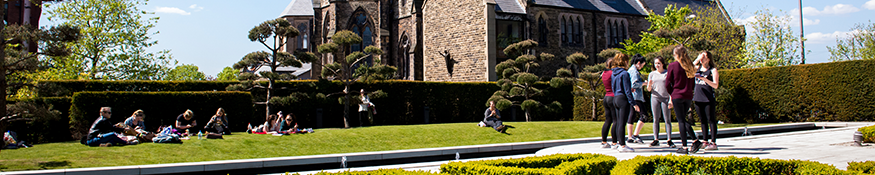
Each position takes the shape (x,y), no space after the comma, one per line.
(594,109)
(3,83)
(528,117)
(346,108)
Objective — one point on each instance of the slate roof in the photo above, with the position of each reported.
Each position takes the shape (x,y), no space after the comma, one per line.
(617,6)
(299,8)
(509,6)
(658,6)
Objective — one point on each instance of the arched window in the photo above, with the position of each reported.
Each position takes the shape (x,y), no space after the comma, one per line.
(403,63)
(614,34)
(623,35)
(576,35)
(580,33)
(304,36)
(362,27)
(562,29)
(542,29)
(569,32)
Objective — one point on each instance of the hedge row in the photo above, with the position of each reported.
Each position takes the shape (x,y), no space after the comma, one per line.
(44,129)
(838,91)
(868,133)
(721,165)
(161,108)
(658,164)
(375,172)
(559,164)
(405,104)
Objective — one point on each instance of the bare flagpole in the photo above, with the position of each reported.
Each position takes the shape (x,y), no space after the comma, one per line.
(801,32)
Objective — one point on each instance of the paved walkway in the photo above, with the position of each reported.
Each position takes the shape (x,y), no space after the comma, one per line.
(830,146)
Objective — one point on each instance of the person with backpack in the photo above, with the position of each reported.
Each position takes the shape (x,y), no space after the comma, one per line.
(707,80)
(103,133)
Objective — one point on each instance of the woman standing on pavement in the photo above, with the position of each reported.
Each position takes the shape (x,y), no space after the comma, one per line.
(707,79)
(659,100)
(622,98)
(608,105)
(679,83)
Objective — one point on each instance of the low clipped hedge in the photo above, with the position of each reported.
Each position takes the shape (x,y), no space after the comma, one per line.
(721,165)
(863,167)
(551,164)
(44,129)
(868,133)
(161,108)
(376,172)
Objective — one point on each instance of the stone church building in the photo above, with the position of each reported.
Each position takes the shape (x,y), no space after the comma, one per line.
(462,40)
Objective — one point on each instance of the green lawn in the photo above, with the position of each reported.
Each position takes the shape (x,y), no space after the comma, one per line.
(323,141)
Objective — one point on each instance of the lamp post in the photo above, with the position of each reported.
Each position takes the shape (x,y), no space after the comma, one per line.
(801,32)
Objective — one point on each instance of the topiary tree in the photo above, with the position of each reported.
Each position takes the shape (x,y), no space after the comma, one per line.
(277,30)
(353,67)
(589,75)
(516,81)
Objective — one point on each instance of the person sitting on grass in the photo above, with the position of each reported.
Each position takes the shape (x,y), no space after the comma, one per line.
(103,133)
(492,118)
(288,125)
(137,125)
(185,123)
(218,123)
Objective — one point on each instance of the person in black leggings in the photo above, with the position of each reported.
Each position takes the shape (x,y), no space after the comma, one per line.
(707,80)
(623,100)
(608,103)
(679,83)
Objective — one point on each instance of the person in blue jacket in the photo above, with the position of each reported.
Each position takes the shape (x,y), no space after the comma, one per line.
(623,99)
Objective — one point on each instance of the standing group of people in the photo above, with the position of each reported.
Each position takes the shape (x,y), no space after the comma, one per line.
(679,85)
(133,129)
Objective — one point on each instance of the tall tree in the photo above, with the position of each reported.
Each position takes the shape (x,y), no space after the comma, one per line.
(115,36)
(185,72)
(771,42)
(271,34)
(858,45)
(717,27)
(516,81)
(589,75)
(353,67)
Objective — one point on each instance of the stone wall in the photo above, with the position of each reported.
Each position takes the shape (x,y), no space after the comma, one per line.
(458,28)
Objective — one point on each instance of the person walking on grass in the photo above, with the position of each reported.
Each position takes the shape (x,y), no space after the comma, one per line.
(608,103)
(638,63)
(492,117)
(660,101)
(707,79)
(679,83)
(623,99)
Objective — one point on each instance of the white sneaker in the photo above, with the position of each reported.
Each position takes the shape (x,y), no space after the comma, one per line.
(615,146)
(627,149)
(606,145)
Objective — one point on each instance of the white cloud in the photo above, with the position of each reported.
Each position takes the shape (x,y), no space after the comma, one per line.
(819,38)
(747,20)
(837,9)
(195,7)
(171,10)
(869,5)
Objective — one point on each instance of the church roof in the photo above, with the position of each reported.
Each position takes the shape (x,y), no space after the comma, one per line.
(616,6)
(299,8)
(658,6)
(509,6)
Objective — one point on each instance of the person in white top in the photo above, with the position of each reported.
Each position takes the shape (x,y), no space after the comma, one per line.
(365,107)
(660,100)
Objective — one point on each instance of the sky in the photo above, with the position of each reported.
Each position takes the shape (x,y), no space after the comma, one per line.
(213,34)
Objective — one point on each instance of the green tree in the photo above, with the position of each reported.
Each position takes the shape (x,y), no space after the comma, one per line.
(717,27)
(650,43)
(115,36)
(185,72)
(589,75)
(274,32)
(859,44)
(228,73)
(353,67)
(516,81)
(771,42)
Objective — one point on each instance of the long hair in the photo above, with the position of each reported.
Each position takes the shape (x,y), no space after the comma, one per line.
(710,57)
(680,54)
(609,63)
(661,60)
(620,60)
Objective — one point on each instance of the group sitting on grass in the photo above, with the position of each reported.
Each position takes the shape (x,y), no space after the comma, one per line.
(133,130)
(278,124)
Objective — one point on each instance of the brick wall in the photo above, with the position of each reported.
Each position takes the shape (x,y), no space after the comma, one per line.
(458,27)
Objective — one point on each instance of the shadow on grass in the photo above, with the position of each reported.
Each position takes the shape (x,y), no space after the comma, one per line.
(53,164)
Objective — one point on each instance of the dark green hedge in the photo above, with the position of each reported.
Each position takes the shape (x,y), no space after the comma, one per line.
(448,102)
(838,91)
(161,108)
(61,88)
(558,164)
(45,129)
(686,164)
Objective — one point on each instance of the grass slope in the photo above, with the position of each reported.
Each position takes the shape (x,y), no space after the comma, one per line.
(323,141)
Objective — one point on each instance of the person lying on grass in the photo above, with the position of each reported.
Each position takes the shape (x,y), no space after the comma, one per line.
(269,125)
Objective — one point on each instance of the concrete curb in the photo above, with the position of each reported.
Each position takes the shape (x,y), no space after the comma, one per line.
(196,167)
